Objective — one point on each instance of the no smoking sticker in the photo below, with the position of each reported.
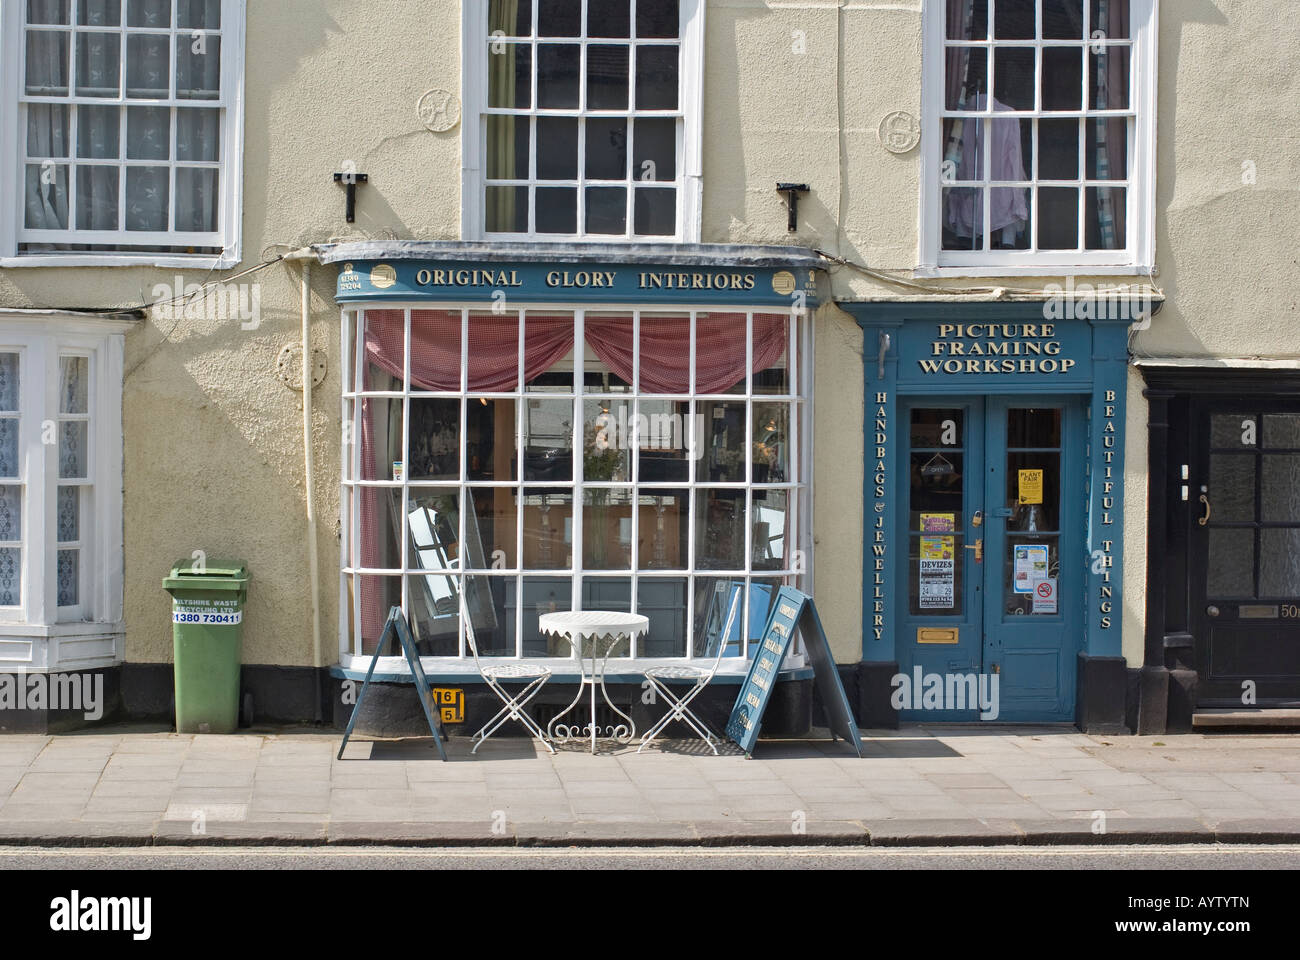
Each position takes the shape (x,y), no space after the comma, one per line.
(1045,596)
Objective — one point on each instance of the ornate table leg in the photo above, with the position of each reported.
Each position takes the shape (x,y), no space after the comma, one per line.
(614,728)
(568,732)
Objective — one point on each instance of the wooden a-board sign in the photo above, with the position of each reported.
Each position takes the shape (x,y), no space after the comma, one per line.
(793,610)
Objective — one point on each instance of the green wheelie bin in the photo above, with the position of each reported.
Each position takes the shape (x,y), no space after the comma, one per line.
(207,631)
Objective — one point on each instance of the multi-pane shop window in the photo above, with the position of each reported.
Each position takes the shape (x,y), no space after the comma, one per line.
(126,113)
(586,116)
(500,466)
(1042,131)
(11,476)
(74,475)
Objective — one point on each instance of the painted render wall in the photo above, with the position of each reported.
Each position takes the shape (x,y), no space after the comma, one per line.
(213,439)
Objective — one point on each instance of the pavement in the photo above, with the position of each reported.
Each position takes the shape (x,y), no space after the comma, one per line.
(917,786)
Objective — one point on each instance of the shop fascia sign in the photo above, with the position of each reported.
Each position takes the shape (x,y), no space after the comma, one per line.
(998,348)
(787,288)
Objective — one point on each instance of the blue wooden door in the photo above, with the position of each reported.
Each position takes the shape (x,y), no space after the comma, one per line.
(1034,554)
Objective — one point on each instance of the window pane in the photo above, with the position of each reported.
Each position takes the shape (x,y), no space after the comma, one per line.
(1105,209)
(1233,430)
(46,197)
(1279,563)
(1063,20)
(98,64)
(507,209)
(69,515)
(1034,428)
(609,18)
(11,514)
(548,529)
(99,13)
(155,14)
(1058,218)
(68,587)
(9,461)
(557,210)
(73,441)
(662,600)
(9,382)
(607,210)
(548,441)
(1015,20)
(1107,151)
(608,429)
(1232,485)
(198,14)
(494,518)
(1013,78)
(770,452)
(1111,18)
(655,149)
(656,77)
(557,75)
(1058,149)
(719,355)
(148,133)
(98,132)
(1110,73)
(772,529)
(510,75)
(656,213)
(762,598)
(197,199)
(557,148)
(508,147)
(1062,78)
(47,130)
(74,384)
(514,18)
(607,150)
(559,18)
(719,529)
(963,216)
(724,437)
(11,572)
(1010,218)
(198,67)
(147,198)
(771,354)
(1231,570)
(435,440)
(972,24)
(47,11)
(375,595)
(608,69)
(198,135)
(1279,489)
(491,452)
(47,64)
(967,71)
(1281,430)
(660,19)
(148,66)
(97,206)
(607,528)
(664,538)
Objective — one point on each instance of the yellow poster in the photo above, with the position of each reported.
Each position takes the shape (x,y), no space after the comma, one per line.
(1031,486)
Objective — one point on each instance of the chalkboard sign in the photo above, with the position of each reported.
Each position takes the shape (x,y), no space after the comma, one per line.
(793,610)
(397,630)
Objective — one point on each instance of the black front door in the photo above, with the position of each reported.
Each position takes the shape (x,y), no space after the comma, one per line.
(1244,579)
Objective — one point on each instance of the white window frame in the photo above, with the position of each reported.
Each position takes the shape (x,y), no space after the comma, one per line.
(474,53)
(1137,257)
(39,636)
(12,152)
(798,485)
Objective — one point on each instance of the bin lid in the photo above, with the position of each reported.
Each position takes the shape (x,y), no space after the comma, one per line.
(216,571)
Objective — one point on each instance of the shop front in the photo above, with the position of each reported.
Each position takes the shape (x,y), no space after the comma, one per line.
(994,500)
(534,430)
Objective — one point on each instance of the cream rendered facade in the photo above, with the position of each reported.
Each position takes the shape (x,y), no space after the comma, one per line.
(213,440)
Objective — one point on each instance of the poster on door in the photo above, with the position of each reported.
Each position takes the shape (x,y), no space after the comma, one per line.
(937,572)
(1030,567)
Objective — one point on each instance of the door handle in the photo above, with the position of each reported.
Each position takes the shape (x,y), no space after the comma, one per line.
(978,547)
(1205,519)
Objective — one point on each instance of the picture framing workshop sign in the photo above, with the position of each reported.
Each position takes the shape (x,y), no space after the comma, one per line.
(396,629)
(793,610)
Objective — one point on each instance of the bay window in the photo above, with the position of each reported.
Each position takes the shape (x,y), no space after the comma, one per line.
(503,465)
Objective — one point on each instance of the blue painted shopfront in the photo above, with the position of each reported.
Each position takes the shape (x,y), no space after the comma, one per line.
(994,481)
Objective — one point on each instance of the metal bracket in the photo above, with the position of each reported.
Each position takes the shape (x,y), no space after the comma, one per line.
(792,191)
(350,180)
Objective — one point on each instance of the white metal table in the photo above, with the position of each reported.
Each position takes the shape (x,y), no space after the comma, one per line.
(601,630)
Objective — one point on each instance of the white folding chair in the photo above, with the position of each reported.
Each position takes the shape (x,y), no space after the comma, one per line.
(679,707)
(496,675)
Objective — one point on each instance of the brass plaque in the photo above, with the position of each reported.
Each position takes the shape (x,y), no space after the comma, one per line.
(936,635)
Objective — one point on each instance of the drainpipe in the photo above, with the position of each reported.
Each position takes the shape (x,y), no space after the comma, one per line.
(313,560)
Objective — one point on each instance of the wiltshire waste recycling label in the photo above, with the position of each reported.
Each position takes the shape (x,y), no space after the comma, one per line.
(207,612)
